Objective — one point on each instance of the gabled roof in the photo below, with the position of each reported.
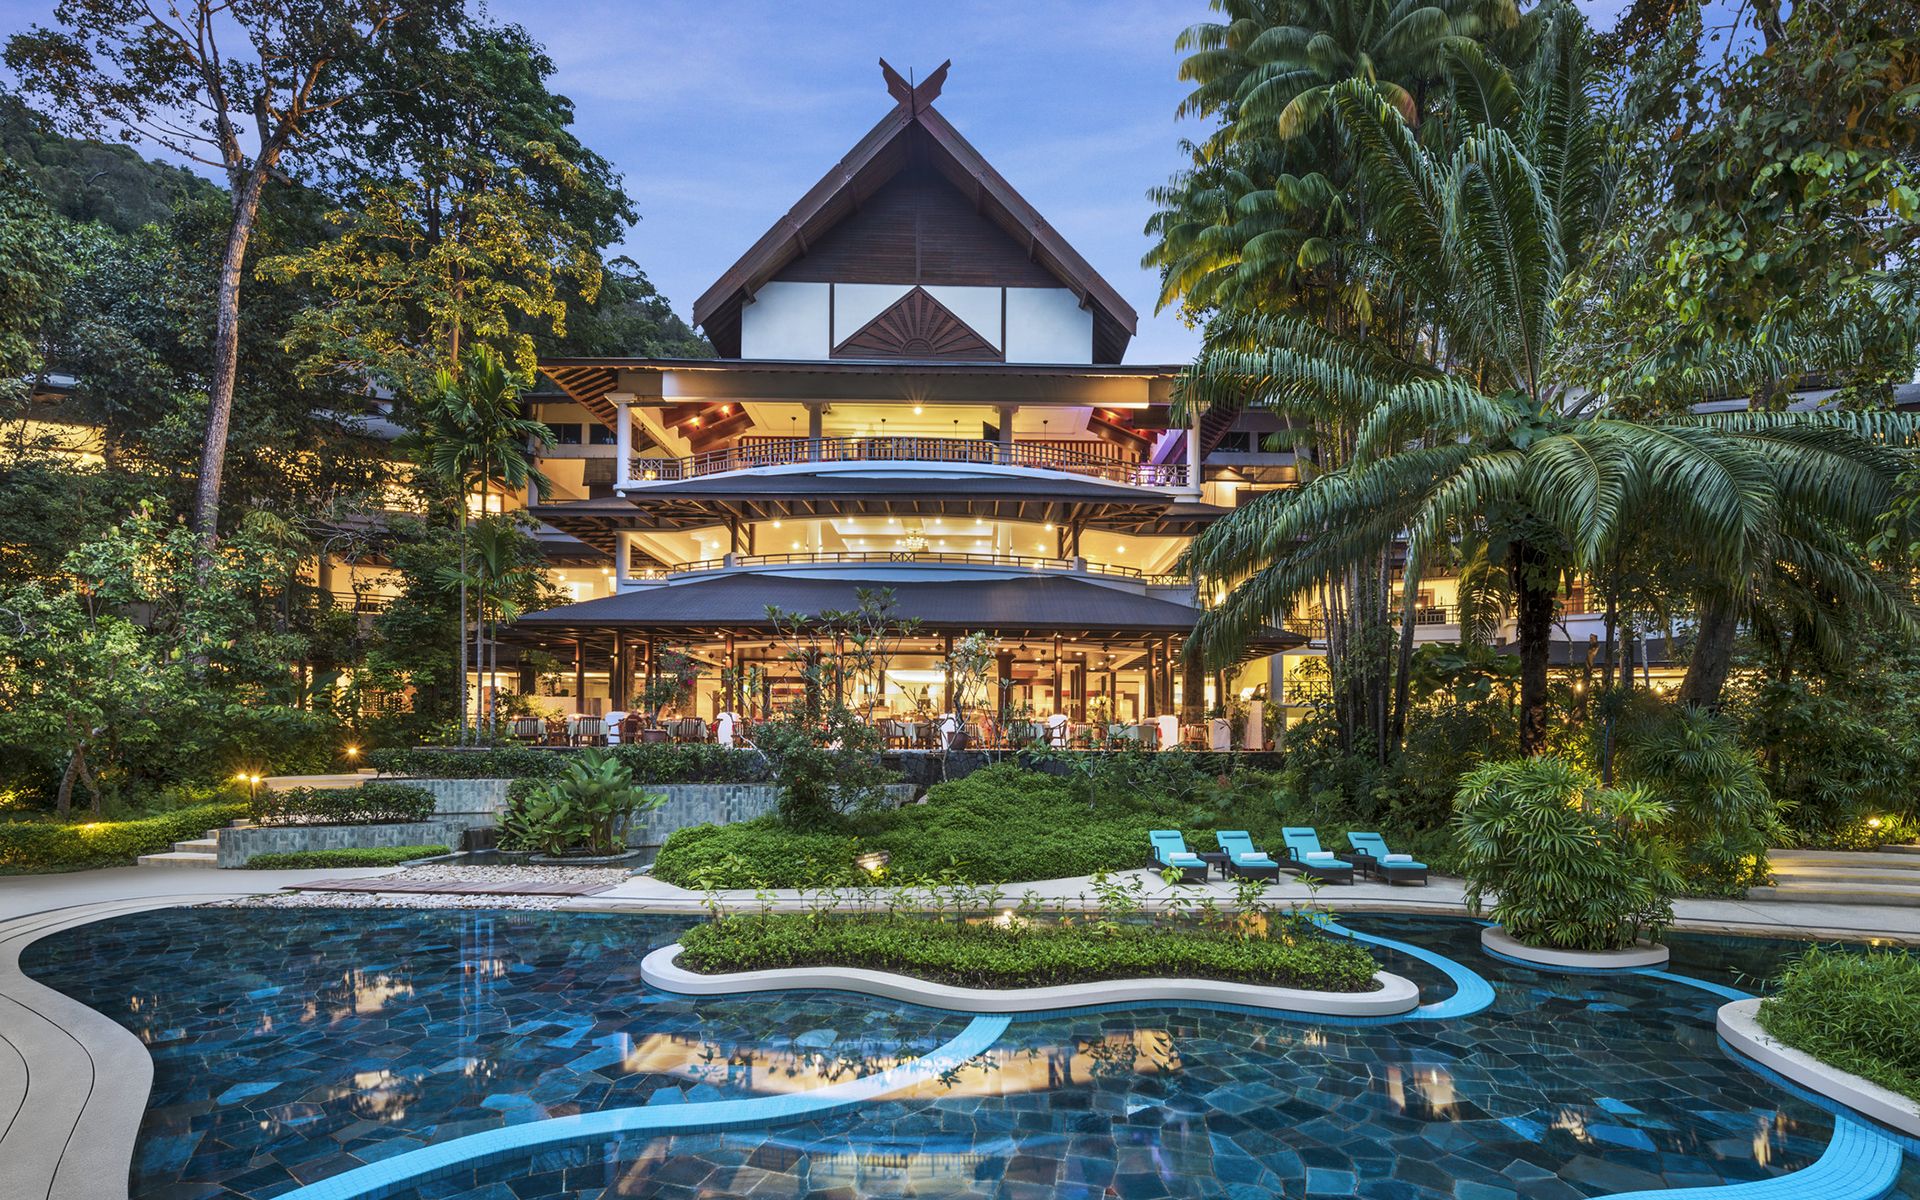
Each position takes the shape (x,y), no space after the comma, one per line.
(912,133)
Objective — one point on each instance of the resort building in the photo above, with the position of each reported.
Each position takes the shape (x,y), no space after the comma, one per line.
(921,388)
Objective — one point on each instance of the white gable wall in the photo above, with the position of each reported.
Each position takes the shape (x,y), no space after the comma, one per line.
(785,320)
(788,320)
(1047,325)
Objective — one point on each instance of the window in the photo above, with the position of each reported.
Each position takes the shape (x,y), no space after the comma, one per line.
(601,435)
(566,433)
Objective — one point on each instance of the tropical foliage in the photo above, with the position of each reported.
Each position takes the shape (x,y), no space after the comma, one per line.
(1859,1012)
(1569,863)
(588,810)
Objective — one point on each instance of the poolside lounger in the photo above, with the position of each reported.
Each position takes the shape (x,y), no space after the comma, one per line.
(1170,850)
(1307,858)
(1370,853)
(1243,859)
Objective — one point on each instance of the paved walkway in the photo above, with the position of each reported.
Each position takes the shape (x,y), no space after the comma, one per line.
(643,893)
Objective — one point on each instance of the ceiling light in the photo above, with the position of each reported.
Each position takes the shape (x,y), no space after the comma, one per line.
(917,410)
(796,545)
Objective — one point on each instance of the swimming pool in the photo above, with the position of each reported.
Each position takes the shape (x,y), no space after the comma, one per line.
(293,1045)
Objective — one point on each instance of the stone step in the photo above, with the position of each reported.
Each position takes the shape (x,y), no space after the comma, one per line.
(1913,850)
(1887,858)
(199,846)
(1836,874)
(179,858)
(1834,893)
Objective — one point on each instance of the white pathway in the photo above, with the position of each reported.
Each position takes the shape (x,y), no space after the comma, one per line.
(1444,895)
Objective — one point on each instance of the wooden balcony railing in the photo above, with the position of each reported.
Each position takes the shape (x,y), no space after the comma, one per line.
(962,557)
(781,452)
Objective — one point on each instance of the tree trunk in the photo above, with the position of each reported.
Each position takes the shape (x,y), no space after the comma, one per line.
(63,801)
(461,680)
(1403,664)
(1533,586)
(226,367)
(1712,654)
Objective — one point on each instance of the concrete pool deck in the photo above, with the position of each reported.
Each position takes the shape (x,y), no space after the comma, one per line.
(1442,895)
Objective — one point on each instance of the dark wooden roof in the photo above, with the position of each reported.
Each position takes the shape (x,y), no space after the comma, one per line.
(1040,606)
(915,143)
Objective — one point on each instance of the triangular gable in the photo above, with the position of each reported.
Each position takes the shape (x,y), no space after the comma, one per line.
(916,144)
(918,326)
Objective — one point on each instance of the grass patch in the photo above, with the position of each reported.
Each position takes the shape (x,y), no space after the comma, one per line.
(1857,1012)
(385,856)
(30,847)
(1006,825)
(992,955)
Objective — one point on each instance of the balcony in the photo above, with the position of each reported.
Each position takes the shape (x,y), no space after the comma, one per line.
(832,558)
(933,451)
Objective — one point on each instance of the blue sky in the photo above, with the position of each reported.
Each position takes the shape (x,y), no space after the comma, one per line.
(720,114)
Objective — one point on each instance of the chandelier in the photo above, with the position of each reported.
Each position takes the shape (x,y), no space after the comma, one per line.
(915,542)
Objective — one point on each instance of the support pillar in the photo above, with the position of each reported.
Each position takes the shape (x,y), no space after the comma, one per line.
(1059,701)
(1193,453)
(580,674)
(623,441)
(1003,665)
(1006,432)
(814,411)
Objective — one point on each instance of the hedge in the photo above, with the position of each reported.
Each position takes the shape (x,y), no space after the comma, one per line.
(385,856)
(1005,825)
(661,762)
(1857,1012)
(993,955)
(63,846)
(372,803)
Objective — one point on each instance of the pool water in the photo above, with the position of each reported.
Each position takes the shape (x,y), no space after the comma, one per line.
(293,1044)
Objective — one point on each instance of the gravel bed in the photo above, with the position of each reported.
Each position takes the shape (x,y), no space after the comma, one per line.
(442,873)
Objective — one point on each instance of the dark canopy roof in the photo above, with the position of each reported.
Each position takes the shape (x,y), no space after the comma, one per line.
(1057,498)
(1040,606)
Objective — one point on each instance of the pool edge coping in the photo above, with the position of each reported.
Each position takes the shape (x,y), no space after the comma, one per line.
(1738,1022)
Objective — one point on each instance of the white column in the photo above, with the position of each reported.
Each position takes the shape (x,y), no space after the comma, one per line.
(622,559)
(1193,453)
(623,441)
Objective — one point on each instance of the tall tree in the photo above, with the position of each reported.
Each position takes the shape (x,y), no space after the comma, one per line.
(475,215)
(1492,439)
(241,86)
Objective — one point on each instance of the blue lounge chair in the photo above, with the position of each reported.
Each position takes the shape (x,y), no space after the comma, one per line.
(1243,859)
(1370,853)
(1307,858)
(1170,850)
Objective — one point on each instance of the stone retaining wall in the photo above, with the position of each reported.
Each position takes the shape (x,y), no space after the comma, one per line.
(474,805)
(237,845)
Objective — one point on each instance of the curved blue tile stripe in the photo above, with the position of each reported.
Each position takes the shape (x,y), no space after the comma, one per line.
(1718,989)
(1472,993)
(1859,1164)
(389,1175)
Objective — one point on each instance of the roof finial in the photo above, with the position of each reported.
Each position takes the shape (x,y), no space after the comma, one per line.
(914,96)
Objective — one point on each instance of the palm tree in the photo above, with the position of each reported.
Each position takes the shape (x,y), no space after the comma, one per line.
(474,431)
(1483,437)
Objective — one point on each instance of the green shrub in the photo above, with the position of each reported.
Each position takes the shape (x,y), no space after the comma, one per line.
(588,810)
(1003,824)
(1573,864)
(824,774)
(385,856)
(1722,818)
(372,803)
(63,846)
(1857,1012)
(661,762)
(993,955)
